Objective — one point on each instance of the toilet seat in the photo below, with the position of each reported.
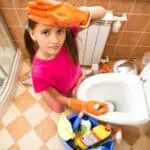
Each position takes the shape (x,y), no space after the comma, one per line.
(128,91)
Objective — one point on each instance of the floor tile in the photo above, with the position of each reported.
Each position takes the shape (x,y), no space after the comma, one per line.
(10,115)
(46,129)
(35,95)
(30,141)
(55,143)
(21,88)
(35,114)
(143,143)
(24,101)
(19,128)
(6,140)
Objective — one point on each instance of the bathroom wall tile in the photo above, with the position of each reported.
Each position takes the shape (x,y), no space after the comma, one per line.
(22,13)
(17,33)
(18,128)
(6,3)
(139,64)
(137,22)
(129,38)
(104,3)
(20,3)
(148,27)
(20,45)
(142,7)
(143,143)
(139,52)
(78,2)
(10,16)
(148,131)
(24,101)
(109,49)
(68,1)
(121,5)
(123,51)
(144,41)
(122,146)
(113,38)
(46,130)
(130,134)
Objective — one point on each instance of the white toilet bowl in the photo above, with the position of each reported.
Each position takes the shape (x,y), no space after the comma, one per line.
(125,91)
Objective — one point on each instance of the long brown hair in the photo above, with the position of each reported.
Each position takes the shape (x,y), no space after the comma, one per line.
(31,45)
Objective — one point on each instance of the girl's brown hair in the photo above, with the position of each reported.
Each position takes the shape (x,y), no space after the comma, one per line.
(32,46)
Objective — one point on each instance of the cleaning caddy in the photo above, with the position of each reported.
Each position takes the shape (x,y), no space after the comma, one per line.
(80,132)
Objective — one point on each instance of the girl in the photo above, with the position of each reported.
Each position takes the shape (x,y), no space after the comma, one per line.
(50,41)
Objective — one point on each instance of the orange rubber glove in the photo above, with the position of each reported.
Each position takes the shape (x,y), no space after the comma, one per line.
(56,13)
(88,106)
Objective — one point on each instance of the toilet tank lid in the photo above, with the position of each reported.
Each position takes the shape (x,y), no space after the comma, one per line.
(145,73)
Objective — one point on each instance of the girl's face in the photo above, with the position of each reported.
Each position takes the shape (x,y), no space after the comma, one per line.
(50,39)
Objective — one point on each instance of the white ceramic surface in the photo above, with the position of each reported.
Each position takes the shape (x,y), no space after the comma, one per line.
(125,91)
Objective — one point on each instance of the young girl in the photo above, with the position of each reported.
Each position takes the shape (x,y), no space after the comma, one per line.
(50,41)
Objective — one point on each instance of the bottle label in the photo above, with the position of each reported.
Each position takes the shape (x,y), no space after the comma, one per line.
(89,139)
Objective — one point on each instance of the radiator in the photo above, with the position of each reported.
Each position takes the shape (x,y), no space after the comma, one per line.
(91,43)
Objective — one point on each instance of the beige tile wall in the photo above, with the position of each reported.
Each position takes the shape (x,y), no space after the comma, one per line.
(131,42)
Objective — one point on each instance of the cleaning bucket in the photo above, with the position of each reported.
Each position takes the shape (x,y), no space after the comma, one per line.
(106,145)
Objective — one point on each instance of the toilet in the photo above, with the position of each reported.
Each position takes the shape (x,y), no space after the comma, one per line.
(129,93)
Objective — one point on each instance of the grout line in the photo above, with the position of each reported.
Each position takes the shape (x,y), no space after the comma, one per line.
(18,40)
(135,31)
(11,26)
(109,4)
(139,14)
(24,8)
(136,45)
(121,33)
(125,45)
(16,11)
(15,26)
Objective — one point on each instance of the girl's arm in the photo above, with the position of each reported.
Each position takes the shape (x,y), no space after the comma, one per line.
(96,12)
(53,96)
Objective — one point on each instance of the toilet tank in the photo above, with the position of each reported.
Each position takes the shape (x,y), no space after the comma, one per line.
(147,94)
(91,43)
(145,76)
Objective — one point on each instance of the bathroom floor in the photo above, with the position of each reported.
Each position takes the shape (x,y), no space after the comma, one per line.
(29,124)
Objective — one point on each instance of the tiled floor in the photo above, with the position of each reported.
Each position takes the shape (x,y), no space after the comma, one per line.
(29,124)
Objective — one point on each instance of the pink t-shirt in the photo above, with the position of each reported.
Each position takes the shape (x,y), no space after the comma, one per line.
(60,73)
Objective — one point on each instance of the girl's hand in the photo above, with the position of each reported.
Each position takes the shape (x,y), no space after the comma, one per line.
(92,107)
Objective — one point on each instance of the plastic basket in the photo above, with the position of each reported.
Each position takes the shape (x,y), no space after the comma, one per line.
(108,145)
